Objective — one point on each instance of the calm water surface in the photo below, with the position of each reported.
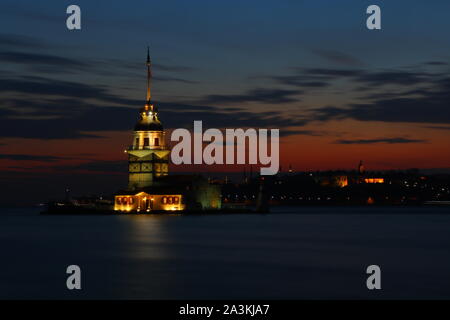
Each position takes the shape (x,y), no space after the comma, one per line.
(293,253)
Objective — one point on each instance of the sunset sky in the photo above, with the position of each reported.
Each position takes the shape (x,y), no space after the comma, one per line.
(338,92)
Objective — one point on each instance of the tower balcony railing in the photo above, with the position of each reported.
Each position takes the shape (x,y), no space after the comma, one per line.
(146,148)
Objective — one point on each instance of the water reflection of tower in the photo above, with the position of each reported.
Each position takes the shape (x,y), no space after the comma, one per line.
(262,202)
(361,171)
(68,197)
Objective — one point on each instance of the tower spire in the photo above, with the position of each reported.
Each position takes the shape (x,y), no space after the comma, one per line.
(149,75)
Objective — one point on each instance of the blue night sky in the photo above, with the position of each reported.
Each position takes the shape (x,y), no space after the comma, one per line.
(228,42)
(69,99)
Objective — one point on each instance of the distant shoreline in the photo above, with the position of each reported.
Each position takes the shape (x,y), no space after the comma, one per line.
(226,211)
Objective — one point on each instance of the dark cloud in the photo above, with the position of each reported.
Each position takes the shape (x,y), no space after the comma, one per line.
(436,63)
(338,57)
(393,110)
(77,119)
(172,68)
(48,87)
(20,41)
(29,13)
(256,95)
(47,109)
(61,118)
(239,119)
(438,127)
(44,108)
(112,166)
(404,78)
(176,68)
(365,79)
(71,126)
(313,77)
(42,86)
(174,79)
(426,100)
(32,59)
(55,64)
(38,109)
(431,106)
(182,107)
(26,157)
(331,74)
(380,140)
(301,81)
(91,123)
(383,95)
(313,133)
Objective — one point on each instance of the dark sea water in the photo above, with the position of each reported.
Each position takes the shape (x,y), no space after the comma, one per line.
(292,253)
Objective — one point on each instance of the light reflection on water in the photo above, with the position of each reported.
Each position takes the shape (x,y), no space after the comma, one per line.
(147,235)
(317,254)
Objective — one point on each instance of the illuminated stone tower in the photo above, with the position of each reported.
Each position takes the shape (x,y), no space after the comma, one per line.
(148,157)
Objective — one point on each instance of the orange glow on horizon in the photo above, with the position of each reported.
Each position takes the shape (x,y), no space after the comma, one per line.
(302,152)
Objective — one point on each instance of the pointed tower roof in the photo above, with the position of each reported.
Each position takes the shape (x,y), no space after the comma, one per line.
(149,113)
(149,75)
